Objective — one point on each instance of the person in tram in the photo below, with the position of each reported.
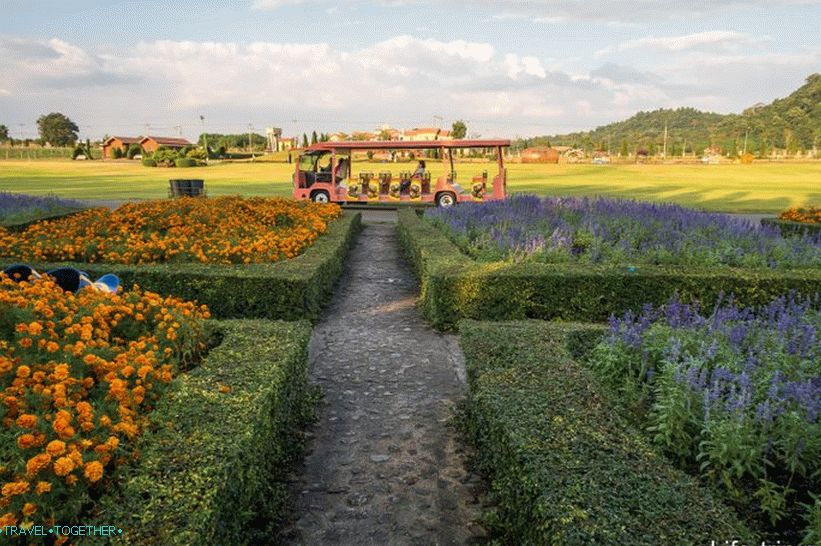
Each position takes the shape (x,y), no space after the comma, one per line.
(342,169)
(419,173)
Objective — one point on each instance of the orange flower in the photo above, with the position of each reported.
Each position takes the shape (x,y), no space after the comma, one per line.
(29,508)
(27,420)
(26,441)
(23,371)
(63,466)
(15,488)
(93,471)
(42,487)
(37,463)
(56,447)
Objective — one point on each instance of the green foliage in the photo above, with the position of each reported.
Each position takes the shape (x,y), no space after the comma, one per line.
(4,133)
(197,153)
(293,289)
(149,162)
(133,150)
(77,152)
(57,129)
(183,162)
(564,466)
(790,123)
(213,466)
(238,141)
(789,229)
(117,153)
(165,157)
(458,129)
(454,287)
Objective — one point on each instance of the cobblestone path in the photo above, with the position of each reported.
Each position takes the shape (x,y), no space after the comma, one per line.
(384,464)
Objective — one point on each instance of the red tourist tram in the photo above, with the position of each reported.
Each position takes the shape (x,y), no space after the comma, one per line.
(324,174)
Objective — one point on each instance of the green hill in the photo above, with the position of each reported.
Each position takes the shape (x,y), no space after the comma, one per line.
(792,123)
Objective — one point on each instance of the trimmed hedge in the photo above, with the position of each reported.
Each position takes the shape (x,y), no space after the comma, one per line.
(184,162)
(212,469)
(453,286)
(148,162)
(564,467)
(289,290)
(789,228)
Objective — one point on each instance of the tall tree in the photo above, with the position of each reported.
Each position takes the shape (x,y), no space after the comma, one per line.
(4,133)
(314,138)
(458,130)
(57,129)
(304,140)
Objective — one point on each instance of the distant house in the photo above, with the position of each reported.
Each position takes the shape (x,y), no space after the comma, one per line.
(151,143)
(121,142)
(425,133)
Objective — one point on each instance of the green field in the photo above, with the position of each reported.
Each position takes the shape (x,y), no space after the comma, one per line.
(757,188)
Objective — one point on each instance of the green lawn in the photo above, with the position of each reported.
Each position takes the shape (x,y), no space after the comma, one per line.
(764,188)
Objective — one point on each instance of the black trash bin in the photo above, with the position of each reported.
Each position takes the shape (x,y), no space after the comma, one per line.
(186,187)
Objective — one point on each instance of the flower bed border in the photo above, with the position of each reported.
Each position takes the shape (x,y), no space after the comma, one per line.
(789,228)
(564,466)
(453,286)
(292,289)
(213,465)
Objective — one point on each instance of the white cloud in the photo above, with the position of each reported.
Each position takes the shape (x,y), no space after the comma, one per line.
(402,80)
(727,40)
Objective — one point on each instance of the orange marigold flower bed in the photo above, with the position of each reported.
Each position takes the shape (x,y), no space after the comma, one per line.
(805,215)
(222,230)
(69,415)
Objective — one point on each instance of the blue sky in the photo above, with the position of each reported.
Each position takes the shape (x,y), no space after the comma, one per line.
(509,68)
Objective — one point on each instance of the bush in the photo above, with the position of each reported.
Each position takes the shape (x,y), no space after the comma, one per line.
(148,162)
(564,467)
(78,151)
(117,153)
(291,289)
(791,228)
(196,153)
(184,162)
(214,469)
(133,150)
(453,286)
(165,157)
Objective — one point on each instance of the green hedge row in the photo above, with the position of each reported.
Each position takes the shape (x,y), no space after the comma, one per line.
(454,287)
(564,467)
(289,290)
(789,229)
(212,467)
(184,162)
(148,162)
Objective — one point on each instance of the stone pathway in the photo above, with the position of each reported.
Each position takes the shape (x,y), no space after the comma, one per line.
(385,465)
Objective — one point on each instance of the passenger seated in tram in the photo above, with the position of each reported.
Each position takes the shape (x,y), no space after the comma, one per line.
(419,173)
(342,169)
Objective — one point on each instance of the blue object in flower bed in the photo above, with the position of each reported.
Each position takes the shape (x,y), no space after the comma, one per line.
(601,230)
(734,393)
(67,278)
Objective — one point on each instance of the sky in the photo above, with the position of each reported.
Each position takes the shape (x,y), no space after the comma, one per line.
(507,68)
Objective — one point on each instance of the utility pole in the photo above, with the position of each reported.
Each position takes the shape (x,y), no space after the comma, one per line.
(746,134)
(204,138)
(250,128)
(683,148)
(664,152)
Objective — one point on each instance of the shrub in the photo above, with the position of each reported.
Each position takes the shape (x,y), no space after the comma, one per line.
(807,215)
(184,162)
(148,162)
(165,157)
(117,153)
(215,464)
(197,153)
(290,289)
(133,150)
(791,228)
(78,151)
(453,286)
(736,391)
(79,374)
(564,467)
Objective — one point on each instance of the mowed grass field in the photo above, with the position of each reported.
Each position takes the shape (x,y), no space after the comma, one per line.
(756,188)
